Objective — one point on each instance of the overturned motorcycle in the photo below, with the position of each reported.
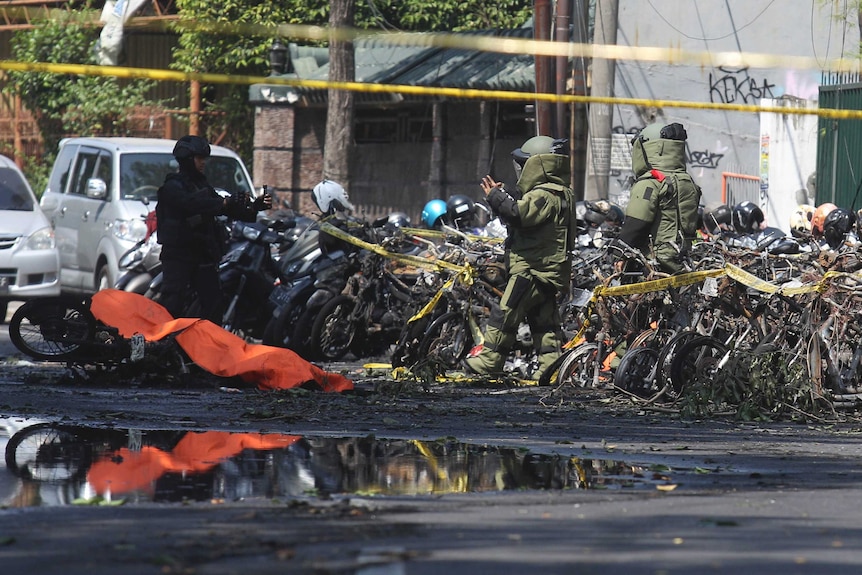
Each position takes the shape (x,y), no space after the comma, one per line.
(128,332)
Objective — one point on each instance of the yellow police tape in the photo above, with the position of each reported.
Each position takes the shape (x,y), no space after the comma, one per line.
(465,273)
(462,93)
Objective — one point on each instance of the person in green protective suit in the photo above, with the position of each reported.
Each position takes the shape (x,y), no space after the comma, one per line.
(540,217)
(661,216)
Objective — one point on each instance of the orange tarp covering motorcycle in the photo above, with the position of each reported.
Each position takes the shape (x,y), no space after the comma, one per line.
(211,347)
(127,470)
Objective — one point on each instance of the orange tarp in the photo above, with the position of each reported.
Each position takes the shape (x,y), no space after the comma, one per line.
(211,347)
(126,470)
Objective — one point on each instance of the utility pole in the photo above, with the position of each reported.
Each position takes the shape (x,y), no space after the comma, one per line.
(578,122)
(544,68)
(339,110)
(601,115)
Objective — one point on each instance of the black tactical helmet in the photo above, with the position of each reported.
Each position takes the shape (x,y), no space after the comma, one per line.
(839,222)
(747,217)
(190,146)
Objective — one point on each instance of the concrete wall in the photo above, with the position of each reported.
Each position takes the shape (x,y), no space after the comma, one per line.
(721,141)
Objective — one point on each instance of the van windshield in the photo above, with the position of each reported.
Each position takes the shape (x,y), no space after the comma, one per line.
(14,194)
(141,175)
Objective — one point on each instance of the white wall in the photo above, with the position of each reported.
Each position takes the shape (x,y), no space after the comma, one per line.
(788,161)
(722,140)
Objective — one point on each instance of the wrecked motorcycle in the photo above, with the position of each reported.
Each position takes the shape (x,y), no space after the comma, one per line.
(63,329)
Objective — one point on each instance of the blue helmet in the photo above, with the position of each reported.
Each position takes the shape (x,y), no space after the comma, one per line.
(433,211)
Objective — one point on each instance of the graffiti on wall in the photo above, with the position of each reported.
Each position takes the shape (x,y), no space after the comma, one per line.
(702,158)
(737,86)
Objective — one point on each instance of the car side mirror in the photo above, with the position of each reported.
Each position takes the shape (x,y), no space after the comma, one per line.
(97,188)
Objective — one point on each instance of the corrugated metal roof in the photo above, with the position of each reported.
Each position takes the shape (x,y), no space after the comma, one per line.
(381,62)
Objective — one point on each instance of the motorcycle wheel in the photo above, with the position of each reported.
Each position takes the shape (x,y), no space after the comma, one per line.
(52,329)
(447,341)
(47,453)
(292,330)
(696,363)
(333,332)
(576,367)
(636,374)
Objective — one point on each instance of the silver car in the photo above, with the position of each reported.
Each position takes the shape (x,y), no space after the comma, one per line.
(98,196)
(29,261)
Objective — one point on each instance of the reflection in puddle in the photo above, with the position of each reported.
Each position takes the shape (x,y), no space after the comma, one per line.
(51,464)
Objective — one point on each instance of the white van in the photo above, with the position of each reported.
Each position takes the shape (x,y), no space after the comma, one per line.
(99,193)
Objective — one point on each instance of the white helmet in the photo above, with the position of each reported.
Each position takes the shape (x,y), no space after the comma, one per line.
(800,220)
(329,195)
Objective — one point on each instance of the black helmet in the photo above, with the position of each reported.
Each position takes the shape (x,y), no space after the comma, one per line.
(460,210)
(747,217)
(784,246)
(188,147)
(839,222)
(716,217)
(767,237)
(398,220)
(615,216)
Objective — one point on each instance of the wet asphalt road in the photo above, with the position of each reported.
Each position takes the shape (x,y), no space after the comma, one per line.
(744,498)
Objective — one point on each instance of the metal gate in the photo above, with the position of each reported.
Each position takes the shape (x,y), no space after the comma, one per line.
(839,143)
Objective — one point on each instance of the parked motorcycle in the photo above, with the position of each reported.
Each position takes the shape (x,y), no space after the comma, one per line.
(140,265)
(308,279)
(368,316)
(248,274)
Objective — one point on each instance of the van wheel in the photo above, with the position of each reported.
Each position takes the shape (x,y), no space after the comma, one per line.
(102,279)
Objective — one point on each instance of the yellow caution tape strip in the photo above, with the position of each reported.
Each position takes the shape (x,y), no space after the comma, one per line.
(458,93)
(426,263)
(657,285)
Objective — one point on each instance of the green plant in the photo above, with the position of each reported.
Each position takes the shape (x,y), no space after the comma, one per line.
(65,104)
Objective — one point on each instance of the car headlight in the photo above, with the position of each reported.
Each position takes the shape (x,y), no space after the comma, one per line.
(42,239)
(133,230)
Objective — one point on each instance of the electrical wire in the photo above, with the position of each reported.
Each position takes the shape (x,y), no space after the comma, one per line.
(732,33)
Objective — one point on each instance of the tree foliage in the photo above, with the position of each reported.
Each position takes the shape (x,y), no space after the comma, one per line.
(65,104)
(205,51)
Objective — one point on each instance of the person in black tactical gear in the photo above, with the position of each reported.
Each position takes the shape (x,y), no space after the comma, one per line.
(192,240)
(540,216)
(661,216)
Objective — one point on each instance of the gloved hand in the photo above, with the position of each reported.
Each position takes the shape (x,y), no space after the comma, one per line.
(236,199)
(262,202)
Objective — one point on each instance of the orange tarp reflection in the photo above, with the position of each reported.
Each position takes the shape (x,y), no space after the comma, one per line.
(125,470)
(211,347)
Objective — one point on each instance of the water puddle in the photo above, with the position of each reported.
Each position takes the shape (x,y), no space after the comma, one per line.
(54,464)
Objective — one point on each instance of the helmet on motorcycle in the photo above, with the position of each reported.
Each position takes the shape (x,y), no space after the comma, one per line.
(747,217)
(819,218)
(188,147)
(433,213)
(838,224)
(800,221)
(329,196)
(461,211)
(716,219)
(595,212)
(398,220)
(615,216)
(767,237)
(784,246)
